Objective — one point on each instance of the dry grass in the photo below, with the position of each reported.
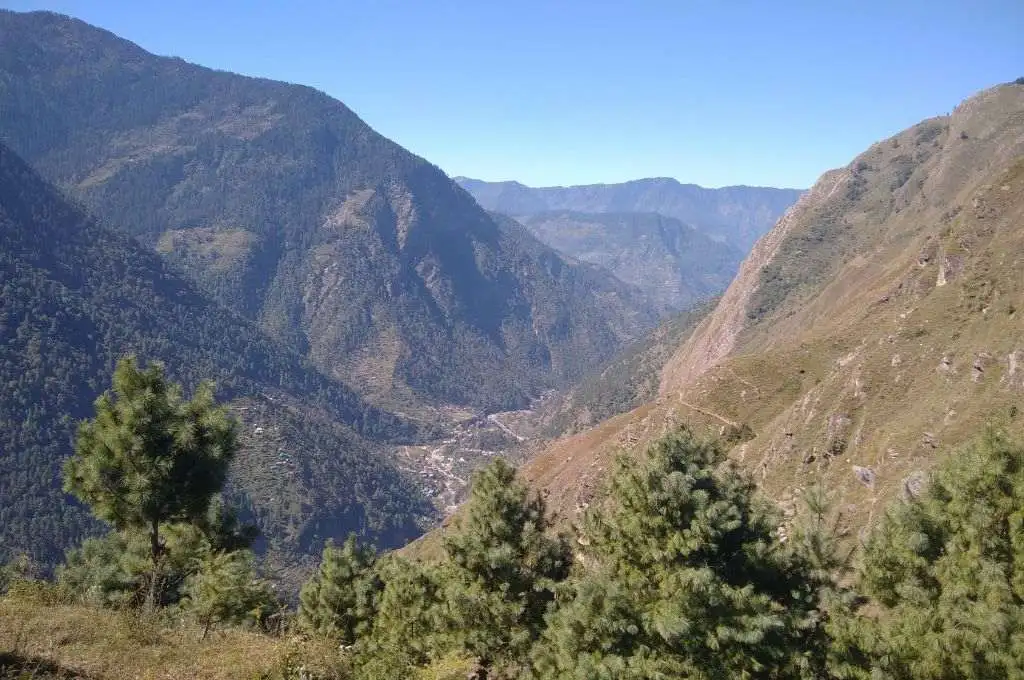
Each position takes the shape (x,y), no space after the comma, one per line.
(41,641)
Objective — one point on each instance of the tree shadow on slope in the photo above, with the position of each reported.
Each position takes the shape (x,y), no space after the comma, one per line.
(17,667)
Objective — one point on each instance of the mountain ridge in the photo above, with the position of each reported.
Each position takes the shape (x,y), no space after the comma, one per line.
(675,264)
(278,201)
(735,214)
(460,179)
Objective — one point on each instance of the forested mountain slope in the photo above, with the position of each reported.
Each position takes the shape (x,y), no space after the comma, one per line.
(75,296)
(738,215)
(876,327)
(673,263)
(280,203)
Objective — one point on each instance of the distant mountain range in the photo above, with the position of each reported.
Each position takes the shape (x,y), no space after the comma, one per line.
(737,215)
(673,263)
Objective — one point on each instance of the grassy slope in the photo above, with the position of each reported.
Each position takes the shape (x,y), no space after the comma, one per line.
(837,344)
(48,641)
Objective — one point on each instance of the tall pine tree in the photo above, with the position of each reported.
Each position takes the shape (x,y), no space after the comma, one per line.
(150,457)
(505,567)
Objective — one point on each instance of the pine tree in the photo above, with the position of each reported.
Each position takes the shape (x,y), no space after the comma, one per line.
(947,569)
(685,577)
(484,605)
(831,639)
(504,567)
(410,628)
(340,599)
(114,570)
(150,457)
(225,589)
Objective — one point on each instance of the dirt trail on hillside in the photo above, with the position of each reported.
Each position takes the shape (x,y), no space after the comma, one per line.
(711,414)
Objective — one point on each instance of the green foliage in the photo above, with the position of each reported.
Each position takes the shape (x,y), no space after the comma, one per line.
(507,564)
(225,589)
(485,603)
(683,574)
(109,571)
(685,578)
(151,463)
(947,569)
(340,600)
(412,624)
(150,457)
(114,570)
(222,530)
(814,542)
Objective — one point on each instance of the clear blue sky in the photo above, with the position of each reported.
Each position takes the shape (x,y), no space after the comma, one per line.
(559,92)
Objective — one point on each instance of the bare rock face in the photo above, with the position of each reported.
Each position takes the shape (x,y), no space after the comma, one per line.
(1014,375)
(950,267)
(914,485)
(837,433)
(981,360)
(865,476)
